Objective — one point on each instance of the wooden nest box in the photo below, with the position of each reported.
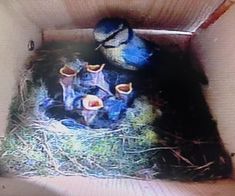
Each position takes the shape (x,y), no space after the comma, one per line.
(206,28)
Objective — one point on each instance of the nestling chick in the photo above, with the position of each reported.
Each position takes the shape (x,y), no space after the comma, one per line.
(121,46)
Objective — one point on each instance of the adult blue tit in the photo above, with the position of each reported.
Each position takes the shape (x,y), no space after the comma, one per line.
(121,46)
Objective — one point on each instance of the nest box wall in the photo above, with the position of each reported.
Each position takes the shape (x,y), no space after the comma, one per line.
(182,15)
(218,59)
(16,31)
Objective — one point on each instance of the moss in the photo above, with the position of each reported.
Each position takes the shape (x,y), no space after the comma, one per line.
(36,147)
(105,148)
(148,138)
(10,143)
(34,155)
(72,145)
(142,113)
(151,136)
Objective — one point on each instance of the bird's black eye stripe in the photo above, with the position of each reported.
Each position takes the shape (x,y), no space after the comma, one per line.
(113,35)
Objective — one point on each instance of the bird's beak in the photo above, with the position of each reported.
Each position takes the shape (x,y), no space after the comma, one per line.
(97,48)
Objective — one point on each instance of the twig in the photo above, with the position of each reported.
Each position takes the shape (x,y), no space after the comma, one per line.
(102,134)
(47,149)
(55,165)
(178,155)
(21,139)
(96,164)
(204,166)
(151,149)
(14,129)
(74,161)
(190,141)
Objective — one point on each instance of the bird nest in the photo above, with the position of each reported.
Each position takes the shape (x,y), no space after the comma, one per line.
(38,145)
(138,147)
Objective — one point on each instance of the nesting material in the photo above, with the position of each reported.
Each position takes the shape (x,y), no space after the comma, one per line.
(37,145)
(148,141)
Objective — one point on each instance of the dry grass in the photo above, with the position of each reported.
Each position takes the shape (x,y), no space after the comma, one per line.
(37,145)
(137,148)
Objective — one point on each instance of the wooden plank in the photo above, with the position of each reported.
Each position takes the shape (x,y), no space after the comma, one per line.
(43,13)
(182,15)
(86,186)
(164,38)
(217,13)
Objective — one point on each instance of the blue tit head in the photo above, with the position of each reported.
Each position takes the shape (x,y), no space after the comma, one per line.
(112,32)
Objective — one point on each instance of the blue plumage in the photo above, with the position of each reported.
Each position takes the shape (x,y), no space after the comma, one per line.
(137,53)
(108,27)
(121,46)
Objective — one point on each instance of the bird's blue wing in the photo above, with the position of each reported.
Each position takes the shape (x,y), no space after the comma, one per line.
(137,53)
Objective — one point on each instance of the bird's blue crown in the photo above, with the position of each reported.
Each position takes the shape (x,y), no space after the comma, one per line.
(108,27)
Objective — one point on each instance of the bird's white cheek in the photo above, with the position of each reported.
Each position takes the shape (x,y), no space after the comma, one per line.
(99,36)
(114,54)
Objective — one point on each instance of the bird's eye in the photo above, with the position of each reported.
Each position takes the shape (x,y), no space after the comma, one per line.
(119,38)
